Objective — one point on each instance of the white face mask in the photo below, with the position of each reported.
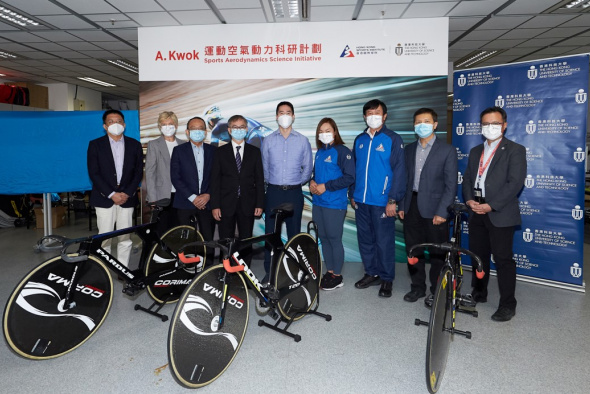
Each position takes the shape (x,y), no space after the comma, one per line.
(285,121)
(169,130)
(374,121)
(491,132)
(116,129)
(326,138)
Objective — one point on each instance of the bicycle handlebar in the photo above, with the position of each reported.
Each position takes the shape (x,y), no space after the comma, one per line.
(223,244)
(448,247)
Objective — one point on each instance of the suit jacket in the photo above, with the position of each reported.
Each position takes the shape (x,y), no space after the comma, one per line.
(157,170)
(225,180)
(504,181)
(438,179)
(185,177)
(102,172)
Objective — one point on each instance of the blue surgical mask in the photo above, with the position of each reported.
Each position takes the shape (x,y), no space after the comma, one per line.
(423,129)
(197,135)
(239,134)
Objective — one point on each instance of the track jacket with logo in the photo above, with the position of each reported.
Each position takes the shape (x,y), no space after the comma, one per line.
(380,168)
(334,167)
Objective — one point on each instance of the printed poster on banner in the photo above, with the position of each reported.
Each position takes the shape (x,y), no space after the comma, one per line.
(382,48)
(547,103)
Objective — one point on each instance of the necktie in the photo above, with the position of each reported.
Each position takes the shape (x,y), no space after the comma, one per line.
(238,163)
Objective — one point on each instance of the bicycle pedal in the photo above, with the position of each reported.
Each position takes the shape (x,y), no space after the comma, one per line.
(467,300)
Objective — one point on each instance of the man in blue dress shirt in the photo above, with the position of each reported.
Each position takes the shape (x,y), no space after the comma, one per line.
(286,158)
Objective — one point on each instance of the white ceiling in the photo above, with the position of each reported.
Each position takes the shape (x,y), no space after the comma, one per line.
(77,35)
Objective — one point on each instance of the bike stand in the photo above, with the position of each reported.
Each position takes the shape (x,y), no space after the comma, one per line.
(151,310)
(466,334)
(295,314)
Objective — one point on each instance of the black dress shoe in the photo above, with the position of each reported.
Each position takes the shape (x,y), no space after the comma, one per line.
(479,297)
(367,280)
(414,295)
(385,290)
(503,314)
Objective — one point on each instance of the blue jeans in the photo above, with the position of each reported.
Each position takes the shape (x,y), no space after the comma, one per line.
(330,228)
(376,236)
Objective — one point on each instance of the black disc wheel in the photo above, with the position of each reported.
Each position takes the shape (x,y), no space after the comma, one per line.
(297,276)
(37,323)
(199,350)
(169,287)
(439,331)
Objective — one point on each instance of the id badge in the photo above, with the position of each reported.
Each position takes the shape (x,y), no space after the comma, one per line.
(478,195)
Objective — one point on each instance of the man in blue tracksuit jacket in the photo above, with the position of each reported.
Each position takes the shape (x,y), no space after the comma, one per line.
(380,183)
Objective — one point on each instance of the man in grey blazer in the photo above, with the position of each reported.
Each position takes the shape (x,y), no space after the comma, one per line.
(431,187)
(491,184)
(157,169)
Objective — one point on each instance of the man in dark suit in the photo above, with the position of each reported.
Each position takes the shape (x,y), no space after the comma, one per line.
(492,181)
(237,184)
(431,187)
(190,172)
(115,167)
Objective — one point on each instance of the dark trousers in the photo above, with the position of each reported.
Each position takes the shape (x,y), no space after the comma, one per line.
(485,240)
(205,224)
(167,218)
(419,230)
(376,237)
(330,224)
(244,223)
(275,197)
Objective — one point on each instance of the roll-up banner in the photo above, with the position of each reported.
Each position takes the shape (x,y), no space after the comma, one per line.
(547,104)
(326,69)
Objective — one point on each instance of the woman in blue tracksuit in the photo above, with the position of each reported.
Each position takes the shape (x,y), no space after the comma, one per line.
(333,173)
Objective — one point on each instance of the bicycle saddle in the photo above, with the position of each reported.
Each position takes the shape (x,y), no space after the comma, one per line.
(458,208)
(286,208)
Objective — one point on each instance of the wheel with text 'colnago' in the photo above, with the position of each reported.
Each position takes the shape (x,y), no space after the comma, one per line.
(170,286)
(297,276)
(37,323)
(439,331)
(199,351)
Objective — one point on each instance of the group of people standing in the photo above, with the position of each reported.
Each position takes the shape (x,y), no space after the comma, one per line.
(233,184)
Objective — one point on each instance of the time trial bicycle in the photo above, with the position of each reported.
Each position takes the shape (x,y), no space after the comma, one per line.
(62,302)
(211,317)
(447,299)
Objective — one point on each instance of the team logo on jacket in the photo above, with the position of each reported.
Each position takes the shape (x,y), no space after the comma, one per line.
(361,146)
(348,157)
(328,159)
(380,148)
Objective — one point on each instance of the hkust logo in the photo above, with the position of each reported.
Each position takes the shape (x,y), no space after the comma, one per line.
(399,50)
(527,235)
(579,155)
(531,127)
(581,96)
(532,72)
(577,213)
(347,52)
(461,81)
(576,270)
(529,181)
(459,178)
(499,102)
(460,129)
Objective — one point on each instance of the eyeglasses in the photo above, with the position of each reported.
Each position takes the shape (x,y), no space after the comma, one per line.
(492,124)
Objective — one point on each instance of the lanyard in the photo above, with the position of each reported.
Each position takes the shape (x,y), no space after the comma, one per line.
(482,168)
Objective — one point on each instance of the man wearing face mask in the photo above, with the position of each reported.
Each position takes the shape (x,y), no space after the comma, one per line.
(115,167)
(157,169)
(431,187)
(380,183)
(491,184)
(190,171)
(287,162)
(237,184)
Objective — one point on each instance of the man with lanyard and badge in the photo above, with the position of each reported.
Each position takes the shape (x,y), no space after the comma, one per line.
(491,184)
